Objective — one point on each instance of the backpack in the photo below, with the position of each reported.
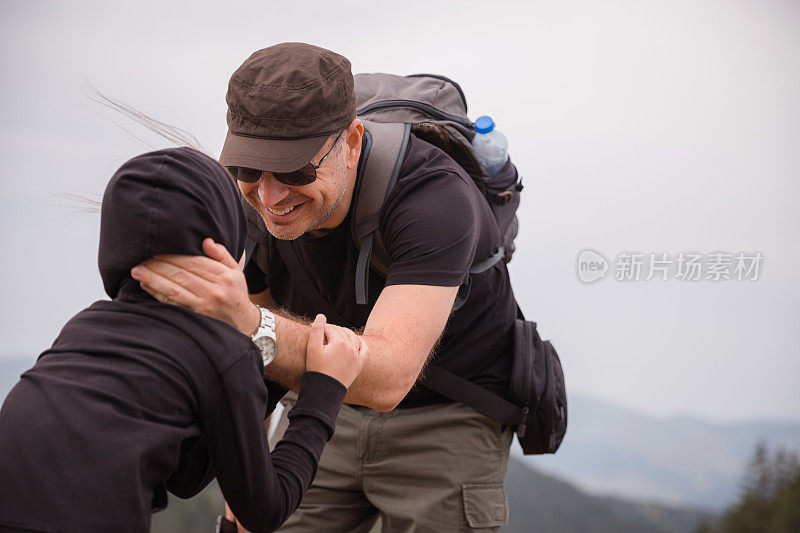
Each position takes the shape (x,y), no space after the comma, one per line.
(434,109)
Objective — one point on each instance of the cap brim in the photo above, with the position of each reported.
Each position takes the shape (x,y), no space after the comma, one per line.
(271,155)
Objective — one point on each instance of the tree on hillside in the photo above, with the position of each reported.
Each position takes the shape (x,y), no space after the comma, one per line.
(770,500)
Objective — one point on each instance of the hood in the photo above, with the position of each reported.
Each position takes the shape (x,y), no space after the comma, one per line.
(166,202)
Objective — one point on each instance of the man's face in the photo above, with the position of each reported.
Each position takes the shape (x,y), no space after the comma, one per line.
(289,211)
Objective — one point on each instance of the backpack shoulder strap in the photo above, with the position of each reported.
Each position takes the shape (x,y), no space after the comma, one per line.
(482,400)
(382,153)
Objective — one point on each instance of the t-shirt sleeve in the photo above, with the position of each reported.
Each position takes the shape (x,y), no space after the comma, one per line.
(263,489)
(430,229)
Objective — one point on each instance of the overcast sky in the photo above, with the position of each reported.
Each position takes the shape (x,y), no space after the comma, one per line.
(664,127)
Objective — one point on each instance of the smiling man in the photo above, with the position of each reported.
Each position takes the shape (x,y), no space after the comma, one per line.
(289,212)
(416,459)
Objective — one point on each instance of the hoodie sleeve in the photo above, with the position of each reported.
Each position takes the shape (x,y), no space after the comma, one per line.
(193,474)
(275,392)
(264,489)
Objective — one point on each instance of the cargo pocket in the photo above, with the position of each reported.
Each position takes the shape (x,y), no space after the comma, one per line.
(485,505)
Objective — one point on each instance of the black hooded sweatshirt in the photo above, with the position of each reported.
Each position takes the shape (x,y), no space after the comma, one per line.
(136,396)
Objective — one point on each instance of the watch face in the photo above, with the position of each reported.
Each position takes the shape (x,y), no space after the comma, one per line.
(267,346)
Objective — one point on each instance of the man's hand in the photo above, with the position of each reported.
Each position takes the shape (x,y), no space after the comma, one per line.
(401,331)
(213,286)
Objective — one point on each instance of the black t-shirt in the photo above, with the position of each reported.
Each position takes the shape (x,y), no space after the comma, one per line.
(435,224)
(135,397)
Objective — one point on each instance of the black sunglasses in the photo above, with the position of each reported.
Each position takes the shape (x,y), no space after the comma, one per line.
(302,176)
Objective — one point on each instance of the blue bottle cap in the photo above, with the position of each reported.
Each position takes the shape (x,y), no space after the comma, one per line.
(484,124)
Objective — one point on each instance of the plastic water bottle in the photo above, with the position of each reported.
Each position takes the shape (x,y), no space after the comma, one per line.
(491,145)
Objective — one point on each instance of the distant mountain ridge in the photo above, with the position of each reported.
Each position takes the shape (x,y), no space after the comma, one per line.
(682,461)
(544,504)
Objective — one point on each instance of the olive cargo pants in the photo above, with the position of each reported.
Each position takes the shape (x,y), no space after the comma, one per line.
(439,468)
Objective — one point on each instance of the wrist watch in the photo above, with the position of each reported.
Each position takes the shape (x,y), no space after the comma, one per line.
(264,337)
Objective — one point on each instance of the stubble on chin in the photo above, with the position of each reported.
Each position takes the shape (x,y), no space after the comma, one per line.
(325,212)
(329,211)
(277,231)
(296,229)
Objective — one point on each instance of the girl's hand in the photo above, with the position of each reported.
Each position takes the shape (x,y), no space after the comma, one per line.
(335,351)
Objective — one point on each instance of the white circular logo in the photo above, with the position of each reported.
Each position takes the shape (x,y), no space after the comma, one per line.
(591,265)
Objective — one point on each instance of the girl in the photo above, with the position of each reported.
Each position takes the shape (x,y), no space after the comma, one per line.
(137,397)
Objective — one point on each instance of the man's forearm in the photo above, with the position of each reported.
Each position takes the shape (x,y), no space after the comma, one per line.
(401,332)
(380,384)
(291,334)
(290,362)
(217,288)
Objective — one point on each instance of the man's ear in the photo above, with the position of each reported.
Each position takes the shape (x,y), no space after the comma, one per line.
(354,135)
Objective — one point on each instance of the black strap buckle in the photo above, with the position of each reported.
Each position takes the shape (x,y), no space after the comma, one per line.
(225,526)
